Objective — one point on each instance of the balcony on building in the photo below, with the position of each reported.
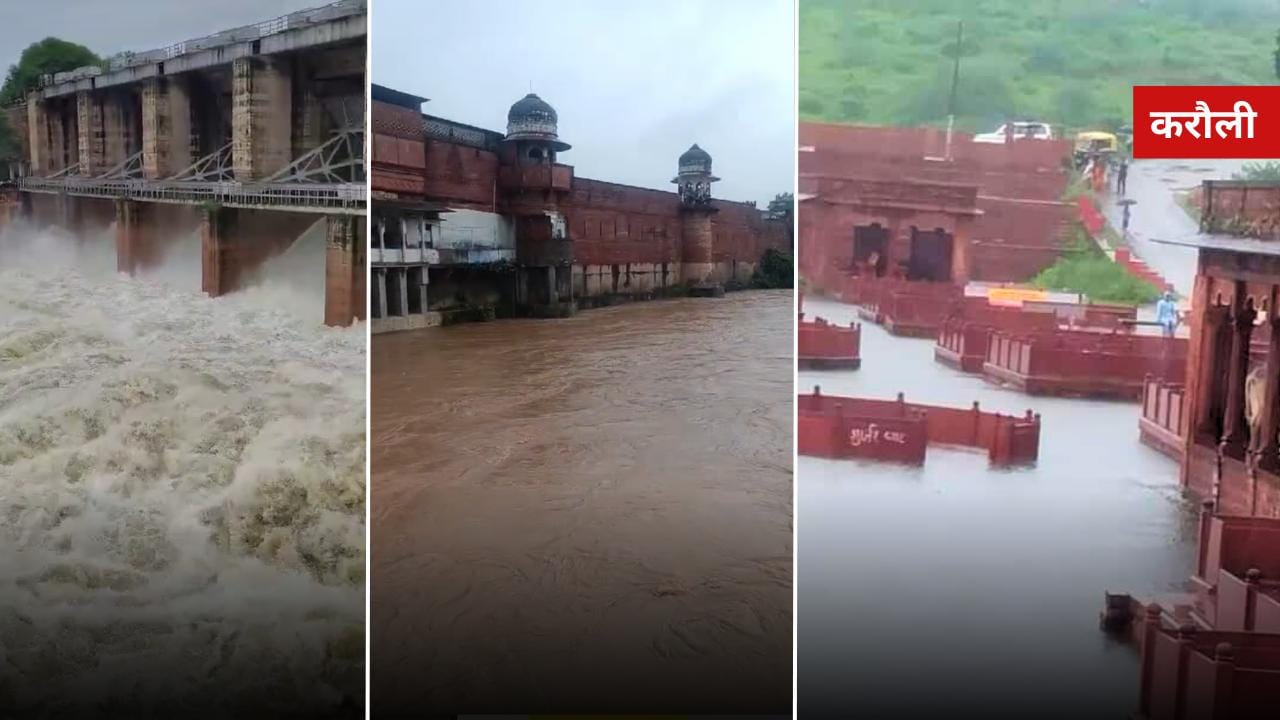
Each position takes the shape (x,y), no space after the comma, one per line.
(405,232)
(536,177)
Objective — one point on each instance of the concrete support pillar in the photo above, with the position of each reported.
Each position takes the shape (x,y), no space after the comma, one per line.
(90,134)
(10,209)
(137,236)
(70,214)
(380,293)
(57,140)
(217,237)
(116,128)
(261,116)
(402,286)
(696,253)
(344,286)
(166,127)
(308,120)
(38,135)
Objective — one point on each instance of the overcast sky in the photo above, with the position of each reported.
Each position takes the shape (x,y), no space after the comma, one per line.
(110,26)
(634,82)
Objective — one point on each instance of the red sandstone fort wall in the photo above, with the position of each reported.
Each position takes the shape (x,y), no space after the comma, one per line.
(1014,240)
(609,223)
(1019,191)
(613,224)
(399,155)
(461,175)
(740,233)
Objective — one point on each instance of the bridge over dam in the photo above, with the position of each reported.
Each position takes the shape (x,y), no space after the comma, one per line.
(252,135)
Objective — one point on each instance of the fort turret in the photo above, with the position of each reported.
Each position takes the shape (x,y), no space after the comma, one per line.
(693,181)
(532,128)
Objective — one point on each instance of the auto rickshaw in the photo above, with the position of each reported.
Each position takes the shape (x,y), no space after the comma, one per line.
(1101,145)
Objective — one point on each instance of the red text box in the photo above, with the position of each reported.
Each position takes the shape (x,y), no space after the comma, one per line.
(1169,121)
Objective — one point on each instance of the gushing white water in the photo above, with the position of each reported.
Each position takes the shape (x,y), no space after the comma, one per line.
(181,485)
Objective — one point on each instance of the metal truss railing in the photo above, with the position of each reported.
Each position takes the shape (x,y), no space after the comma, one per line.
(328,179)
(339,160)
(326,198)
(73,169)
(214,167)
(131,167)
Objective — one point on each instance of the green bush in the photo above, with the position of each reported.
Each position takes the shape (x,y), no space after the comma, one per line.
(775,270)
(1082,268)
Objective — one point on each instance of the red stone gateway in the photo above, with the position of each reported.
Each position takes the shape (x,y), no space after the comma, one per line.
(897,431)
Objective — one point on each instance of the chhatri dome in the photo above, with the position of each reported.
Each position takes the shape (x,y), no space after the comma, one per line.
(695,160)
(533,119)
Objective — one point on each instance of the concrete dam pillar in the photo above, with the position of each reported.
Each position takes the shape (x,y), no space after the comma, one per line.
(344,272)
(91,134)
(137,236)
(166,127)
(38,134)
(234,242)
(217,232)
(261,117)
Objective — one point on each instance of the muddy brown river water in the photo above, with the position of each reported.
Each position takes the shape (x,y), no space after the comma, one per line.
(591,513)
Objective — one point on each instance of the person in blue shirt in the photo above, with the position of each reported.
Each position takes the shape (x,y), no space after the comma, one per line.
(1167,314)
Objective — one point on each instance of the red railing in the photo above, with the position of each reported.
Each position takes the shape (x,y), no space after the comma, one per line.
(1160,424)
(1081,362)
(1089,215)
(963,341)
(895,430)
(822,344)
(1186,673)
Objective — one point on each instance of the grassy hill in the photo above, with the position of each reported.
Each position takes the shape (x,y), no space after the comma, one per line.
(1068,62)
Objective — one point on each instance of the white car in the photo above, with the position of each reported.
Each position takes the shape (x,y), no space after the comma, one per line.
(1021,131)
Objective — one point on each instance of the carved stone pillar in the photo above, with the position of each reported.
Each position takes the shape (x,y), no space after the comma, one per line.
(1209,383)
(1265,448)
(1235,427)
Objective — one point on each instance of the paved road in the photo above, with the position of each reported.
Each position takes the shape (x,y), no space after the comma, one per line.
(1153,184)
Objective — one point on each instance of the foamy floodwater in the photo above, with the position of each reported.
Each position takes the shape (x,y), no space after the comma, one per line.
(181,486)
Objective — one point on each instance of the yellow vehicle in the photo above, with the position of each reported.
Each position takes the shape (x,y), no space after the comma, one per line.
(1094,143)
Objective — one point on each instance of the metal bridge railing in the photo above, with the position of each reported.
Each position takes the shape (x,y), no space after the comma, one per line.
(327,198)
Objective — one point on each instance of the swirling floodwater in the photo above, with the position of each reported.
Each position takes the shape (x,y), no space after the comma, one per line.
(586,514)
(181,486)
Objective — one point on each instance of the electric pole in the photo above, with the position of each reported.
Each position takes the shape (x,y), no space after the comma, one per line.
(955,81)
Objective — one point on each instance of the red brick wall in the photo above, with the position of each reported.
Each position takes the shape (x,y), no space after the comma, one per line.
(609,223)
(461,175)
(1018,190)
(614,224)
(1014,240)
(739,233)
(398,150)
(1237,208)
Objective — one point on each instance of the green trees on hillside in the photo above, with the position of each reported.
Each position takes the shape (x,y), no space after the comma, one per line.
(1069,62)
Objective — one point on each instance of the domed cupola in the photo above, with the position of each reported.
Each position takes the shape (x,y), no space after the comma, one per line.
(693,177)
(532,125)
